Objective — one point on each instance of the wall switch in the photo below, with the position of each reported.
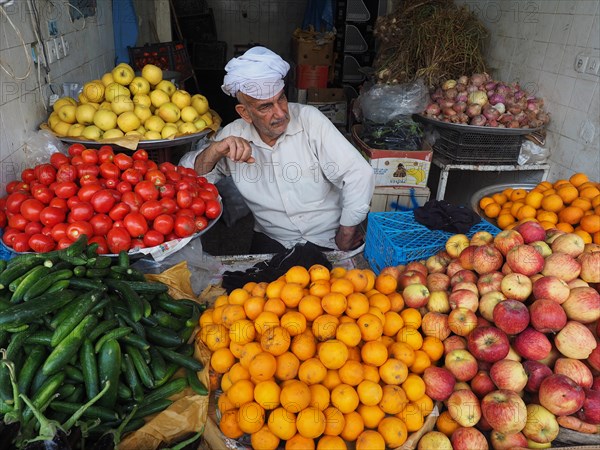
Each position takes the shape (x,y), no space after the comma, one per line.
(581,61)
(51,51)
(593,65)
(58,47)
(65,45)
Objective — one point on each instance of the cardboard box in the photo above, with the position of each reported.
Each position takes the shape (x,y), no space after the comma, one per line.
(396,167)
(312,52)
(386,199)
(331,102)
(311,76)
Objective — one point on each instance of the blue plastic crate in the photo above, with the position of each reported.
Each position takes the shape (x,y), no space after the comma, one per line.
(397,238)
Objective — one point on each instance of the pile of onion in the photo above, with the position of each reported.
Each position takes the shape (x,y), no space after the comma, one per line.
(479,100)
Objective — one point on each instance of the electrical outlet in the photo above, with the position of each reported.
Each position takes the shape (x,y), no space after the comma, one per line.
(51,51)
(59,48)
(593,65)
(581,61)
(65,45)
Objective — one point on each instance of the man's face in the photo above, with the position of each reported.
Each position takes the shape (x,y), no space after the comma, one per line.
(270,117)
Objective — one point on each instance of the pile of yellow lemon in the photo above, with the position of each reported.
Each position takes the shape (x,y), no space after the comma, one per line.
(321,358)
(571,205)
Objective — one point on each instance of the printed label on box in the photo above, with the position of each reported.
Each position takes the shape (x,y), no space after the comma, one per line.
(400,171)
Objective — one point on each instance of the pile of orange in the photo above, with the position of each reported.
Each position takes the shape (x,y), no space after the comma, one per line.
(319,359)
(571,205)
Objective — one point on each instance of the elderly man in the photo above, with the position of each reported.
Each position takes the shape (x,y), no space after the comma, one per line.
(300,177)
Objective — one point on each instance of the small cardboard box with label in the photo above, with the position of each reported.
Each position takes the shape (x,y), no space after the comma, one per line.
(312,49)
(396,167)
(331,102)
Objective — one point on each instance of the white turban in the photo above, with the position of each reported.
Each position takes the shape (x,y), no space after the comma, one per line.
(258,73)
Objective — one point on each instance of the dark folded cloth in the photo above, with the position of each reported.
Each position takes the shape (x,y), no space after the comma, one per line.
(304,255)
(441,215)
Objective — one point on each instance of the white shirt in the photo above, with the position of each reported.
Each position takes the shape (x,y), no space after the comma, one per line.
(304,187)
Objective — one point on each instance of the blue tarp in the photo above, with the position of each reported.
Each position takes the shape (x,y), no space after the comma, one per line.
(318,15)
(125,26)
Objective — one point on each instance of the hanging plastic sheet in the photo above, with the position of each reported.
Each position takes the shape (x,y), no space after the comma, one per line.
(318,15)
(125,29)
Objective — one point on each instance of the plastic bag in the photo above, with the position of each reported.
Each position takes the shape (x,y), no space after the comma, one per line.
(40,146)
(384,102)
(531,153)
(201,265)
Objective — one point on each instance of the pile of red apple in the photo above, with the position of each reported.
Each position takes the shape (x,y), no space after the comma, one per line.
(518,315)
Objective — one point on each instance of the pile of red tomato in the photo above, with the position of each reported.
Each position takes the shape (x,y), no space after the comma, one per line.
(119,201)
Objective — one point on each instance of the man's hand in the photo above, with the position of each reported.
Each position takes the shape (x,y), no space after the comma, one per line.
(348,238)
(232,147)
(235,148)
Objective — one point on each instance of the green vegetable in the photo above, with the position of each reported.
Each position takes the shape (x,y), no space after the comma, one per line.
(69,346)
(109,370)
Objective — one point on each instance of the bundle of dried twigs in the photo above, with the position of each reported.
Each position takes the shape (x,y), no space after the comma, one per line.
(430,39)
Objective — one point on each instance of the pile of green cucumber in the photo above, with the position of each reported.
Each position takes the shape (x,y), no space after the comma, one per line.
(71,320)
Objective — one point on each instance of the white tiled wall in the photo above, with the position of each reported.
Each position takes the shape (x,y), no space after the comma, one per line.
(535,43)
(21,106)
(267,22)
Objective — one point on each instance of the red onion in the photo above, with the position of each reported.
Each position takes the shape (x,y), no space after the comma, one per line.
(477,79)
(460,107)
(544,117)
(514,124)
(461,97)
(472,88)
(461,87)
(462,118)
(502,89)
(519,95)
(490,112)
(496,98)
(473,110)
(449,112)
(491,85)
(492,123)
(522,118)
(463,79)
(532,106)
(451,93)
(438,94)
(446,103)
(433,109)
(514,110)
(454,119)
(478,120)
(535,123)
(506,118)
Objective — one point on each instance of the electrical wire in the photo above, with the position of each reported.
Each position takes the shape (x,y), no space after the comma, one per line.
(70,5)
(35,23)
(4,65)
(40,45)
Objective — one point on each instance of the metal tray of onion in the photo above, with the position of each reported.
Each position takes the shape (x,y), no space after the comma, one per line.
(483,130)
